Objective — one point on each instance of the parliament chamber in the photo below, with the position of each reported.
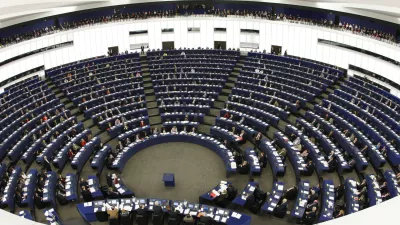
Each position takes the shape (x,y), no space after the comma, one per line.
(184,129)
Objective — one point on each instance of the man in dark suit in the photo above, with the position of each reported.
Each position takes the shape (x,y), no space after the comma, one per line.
(309,217)
(141,215)
(280,210)
(312,205)
(60,186)
(313,196)
(243,168)
(158,214)
(84,183)
(231,192)
(173,217)
(39,201)
(112,194)
(204,219)
(87,196)
(46,164)
(259,194)
(309,168)
(291,193)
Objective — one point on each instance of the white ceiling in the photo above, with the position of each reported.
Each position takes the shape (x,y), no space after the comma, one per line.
(17,11)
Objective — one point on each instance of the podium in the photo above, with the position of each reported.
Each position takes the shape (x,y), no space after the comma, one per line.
(169,179)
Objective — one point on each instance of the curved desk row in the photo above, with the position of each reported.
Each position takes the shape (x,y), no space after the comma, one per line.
(96,211)
(199,139)
(29,188)
(174,116)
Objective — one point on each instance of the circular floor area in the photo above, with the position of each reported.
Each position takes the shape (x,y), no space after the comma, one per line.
(197,169)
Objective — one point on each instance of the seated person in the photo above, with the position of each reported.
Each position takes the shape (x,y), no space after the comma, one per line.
(259,194)
(291,193)
(262,158)
(188,220)
(112,194)
(312,197)
(312,205)
(204,219)
(158,214)
(71,154)
(83,182)
(87,196)
(310,216)
(174,130)
(241,138)
(361,185)
(280,210)
(243,168)
(282,154)
(60,186)
(309,168)
(141,215)
(173,217)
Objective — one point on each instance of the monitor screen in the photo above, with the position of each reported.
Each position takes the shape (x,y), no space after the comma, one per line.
(142,201)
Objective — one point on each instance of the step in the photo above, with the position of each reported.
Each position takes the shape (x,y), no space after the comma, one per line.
(147,85)
(214,112)
(227,91)
(205,129)
(150,98)
(222,98)
(75,111)
(149,91)
(88,123)
(69,105)
(155,120)
(151,105)
(210,120)
(219,105)
(153,112)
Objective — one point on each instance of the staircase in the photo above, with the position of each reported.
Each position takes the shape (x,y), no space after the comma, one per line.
(150,97)
(219,103)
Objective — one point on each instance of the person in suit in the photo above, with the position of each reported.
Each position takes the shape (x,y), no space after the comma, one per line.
(83,183)
(60,186)
(238,158)
(109,179)
(309,168)
(62,198)
(257,139)
(39,201)
(158,214)
(141,215)
(243,168)
(313,196)
(291,193)
(231,192)
(173,217)
(204,219)
(46,164)
(312,205)
(112,194)
(280,210)
(262,159)
(87,196)
(309,217)
(258,193)
(18,198)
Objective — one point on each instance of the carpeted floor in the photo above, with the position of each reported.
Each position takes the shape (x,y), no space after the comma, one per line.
(197,170)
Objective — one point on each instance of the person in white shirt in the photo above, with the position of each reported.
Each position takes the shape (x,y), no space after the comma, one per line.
(184,131)
(174,130)
(193,131)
